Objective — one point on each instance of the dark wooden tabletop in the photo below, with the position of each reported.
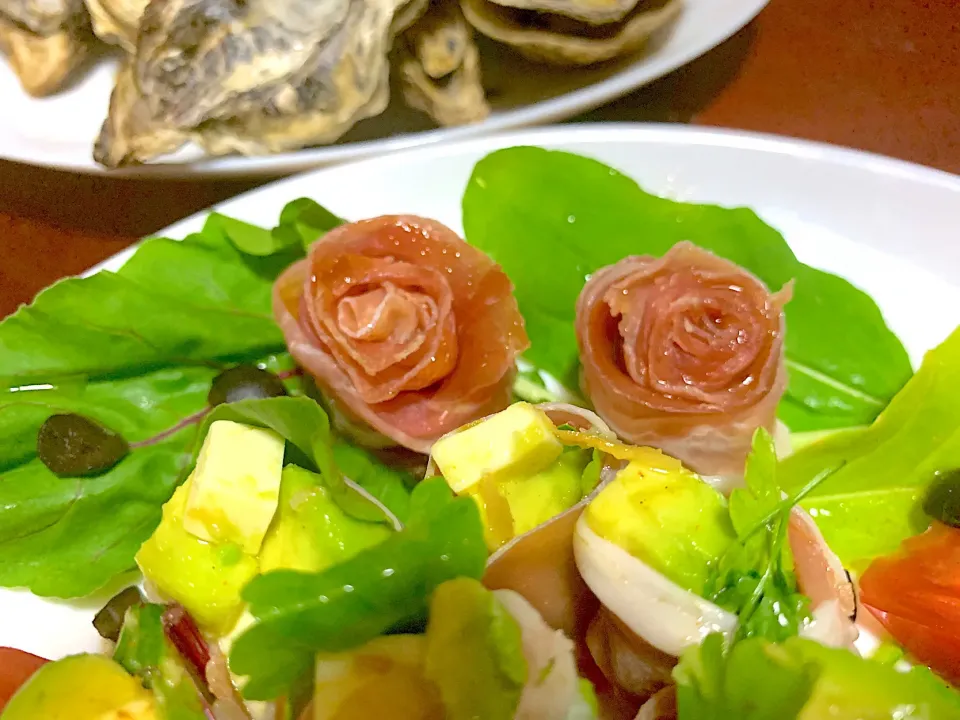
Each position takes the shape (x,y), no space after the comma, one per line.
(881,75)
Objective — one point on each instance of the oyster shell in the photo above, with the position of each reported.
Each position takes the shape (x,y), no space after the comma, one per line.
(249,76)
(116,21)
(439,67)
(561,40)
(44,40)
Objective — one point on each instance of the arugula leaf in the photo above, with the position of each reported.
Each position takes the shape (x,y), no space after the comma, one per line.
(303,221)
(756,680)
(752,681)
(388,485)
(249,239)
(873,503)
(525,204)
(300,614)
(135,350)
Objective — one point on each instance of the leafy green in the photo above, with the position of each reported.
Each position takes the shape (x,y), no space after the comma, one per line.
(873,503)
(135,350)
(525,204)
(753,681)
(382,587)
(302,221)
(247,238)
(802,680)
(474,652)
(388,485)
(751,578)
(144,650)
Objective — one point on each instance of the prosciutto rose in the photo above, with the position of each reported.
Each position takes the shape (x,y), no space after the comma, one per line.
(404,326)
(683,353)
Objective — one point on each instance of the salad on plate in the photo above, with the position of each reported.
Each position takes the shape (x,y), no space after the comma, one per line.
(607,456)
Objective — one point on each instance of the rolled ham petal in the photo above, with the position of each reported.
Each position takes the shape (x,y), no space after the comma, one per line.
(404,326)
(683,353)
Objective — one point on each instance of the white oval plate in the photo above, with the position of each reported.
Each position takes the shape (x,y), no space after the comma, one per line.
(887,226)
(59,131)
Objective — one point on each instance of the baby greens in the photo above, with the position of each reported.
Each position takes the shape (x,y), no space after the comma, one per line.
(135,350)
(523,205)
(802,680)
(872,504)
(750,578)
(383,587)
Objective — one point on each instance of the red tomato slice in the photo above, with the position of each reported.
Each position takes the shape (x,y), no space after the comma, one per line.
(915,595)
(16,667)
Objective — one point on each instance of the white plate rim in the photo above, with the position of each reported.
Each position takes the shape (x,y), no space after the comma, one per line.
(637,75)
(595,134)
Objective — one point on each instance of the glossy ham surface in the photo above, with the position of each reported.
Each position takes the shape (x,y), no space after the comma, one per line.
(404,326)
(683,353)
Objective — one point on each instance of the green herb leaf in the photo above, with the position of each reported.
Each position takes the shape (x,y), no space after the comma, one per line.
(474,652)
(751,579)
(753,681)
(302,222)
(525,204)
(385,586)
(388,485)
(756,680)
(873,503)
(135,350)
(247,238)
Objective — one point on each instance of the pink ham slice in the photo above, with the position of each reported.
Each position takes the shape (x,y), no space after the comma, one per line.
(404,326)
(683,353)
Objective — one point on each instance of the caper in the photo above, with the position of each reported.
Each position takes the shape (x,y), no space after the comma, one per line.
(244,382)
(942,501)
(72,445)
(109,621)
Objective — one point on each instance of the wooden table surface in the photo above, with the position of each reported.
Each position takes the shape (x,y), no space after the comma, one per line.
(881,75)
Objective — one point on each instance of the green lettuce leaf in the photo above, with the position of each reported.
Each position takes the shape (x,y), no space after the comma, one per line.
(383,587)
(524,204)
(135,350)
(302,221)
(474,652)
(389,485)
(868,507)
(802,680)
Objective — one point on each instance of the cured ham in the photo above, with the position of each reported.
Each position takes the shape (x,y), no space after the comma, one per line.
(404,326)
(683,353)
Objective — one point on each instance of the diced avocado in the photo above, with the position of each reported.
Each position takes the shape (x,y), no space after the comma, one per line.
(850,687)
(236,485)
(515,442)
(474,652)
(673,522)
(144,650)
(382,679)
(205,578)
(536,499)
(310,532)
(82,687)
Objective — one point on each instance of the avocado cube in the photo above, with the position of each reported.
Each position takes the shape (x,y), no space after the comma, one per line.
(236,485)
(206,578)
(515,442)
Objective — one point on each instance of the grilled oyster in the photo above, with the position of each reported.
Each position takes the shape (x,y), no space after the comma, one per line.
(250,76)
(116,21)
(44,40)
(439,67)
(565,40)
